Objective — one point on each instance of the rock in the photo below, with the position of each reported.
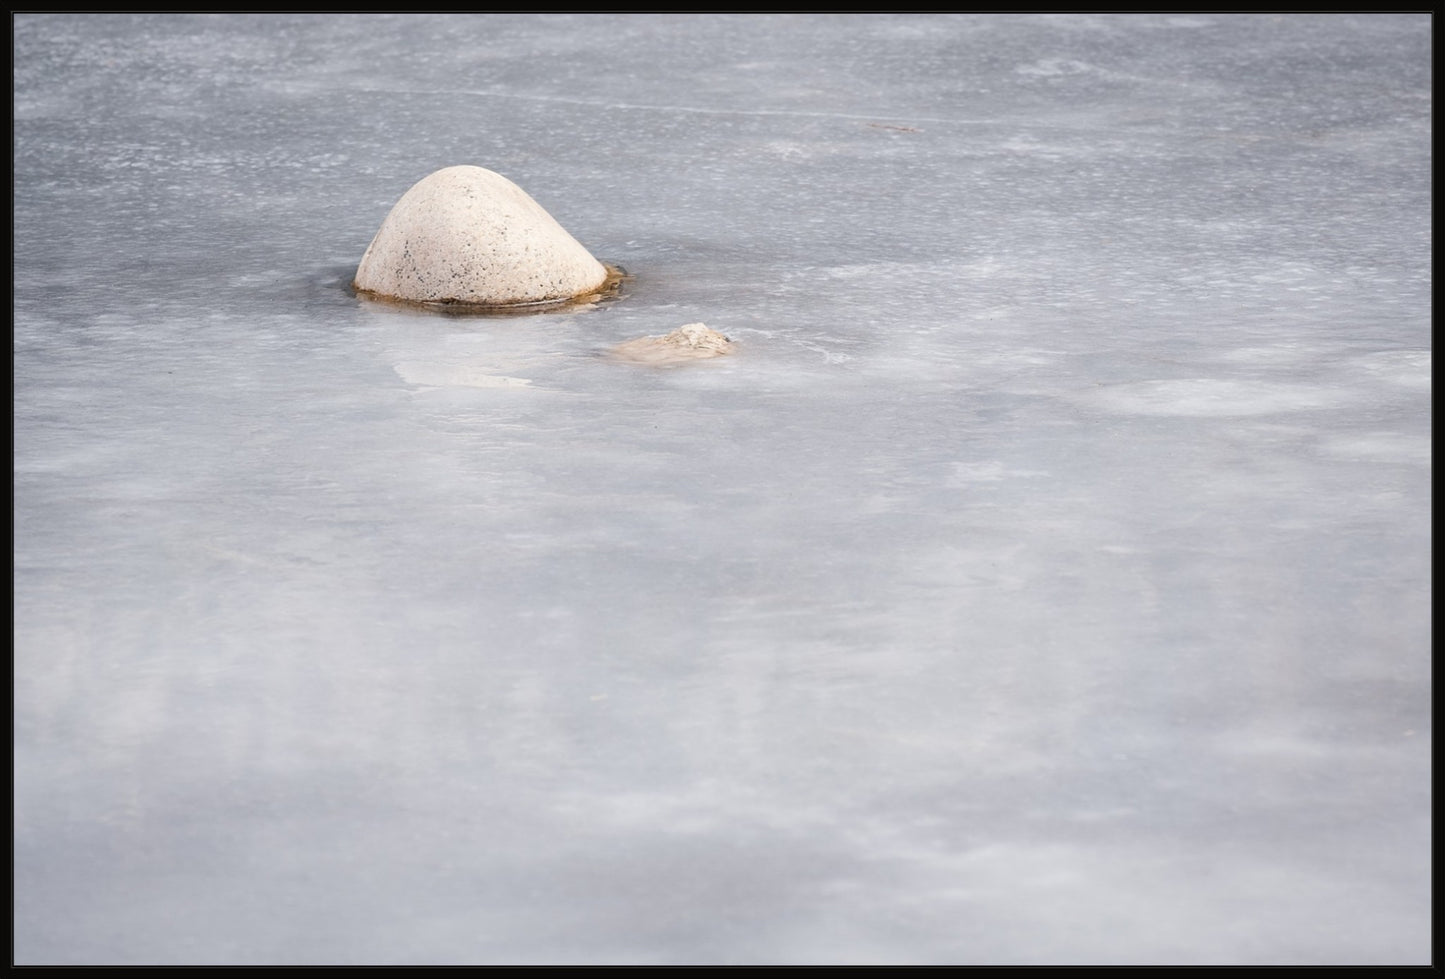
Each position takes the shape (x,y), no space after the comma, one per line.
(691,342)
(468,235)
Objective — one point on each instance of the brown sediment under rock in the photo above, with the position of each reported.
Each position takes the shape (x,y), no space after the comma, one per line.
(466,235)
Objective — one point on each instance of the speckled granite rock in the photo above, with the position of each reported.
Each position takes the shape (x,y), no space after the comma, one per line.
(468,235)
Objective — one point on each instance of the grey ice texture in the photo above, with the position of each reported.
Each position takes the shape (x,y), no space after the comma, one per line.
(1045,579)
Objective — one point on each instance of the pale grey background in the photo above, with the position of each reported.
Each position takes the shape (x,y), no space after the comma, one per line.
(1046,579)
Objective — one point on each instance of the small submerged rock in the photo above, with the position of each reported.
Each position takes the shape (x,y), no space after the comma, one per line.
(691,342)
(466,235)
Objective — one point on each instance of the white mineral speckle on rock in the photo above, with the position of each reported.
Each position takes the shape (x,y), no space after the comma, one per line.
(468,235)
(691,342)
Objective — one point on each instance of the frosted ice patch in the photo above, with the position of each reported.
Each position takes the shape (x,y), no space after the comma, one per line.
(1276,354)
(1050,67)
(455,375)
(1407,368)
(966,473)
(1205,398)
(1381,447)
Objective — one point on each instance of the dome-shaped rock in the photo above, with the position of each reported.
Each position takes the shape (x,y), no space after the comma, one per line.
(468,235)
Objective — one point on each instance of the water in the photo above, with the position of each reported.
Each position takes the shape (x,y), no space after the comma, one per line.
(1044,579)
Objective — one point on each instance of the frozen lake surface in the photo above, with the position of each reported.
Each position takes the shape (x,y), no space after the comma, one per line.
(1045,579)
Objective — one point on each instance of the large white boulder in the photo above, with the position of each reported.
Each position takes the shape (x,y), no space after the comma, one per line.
(468,235)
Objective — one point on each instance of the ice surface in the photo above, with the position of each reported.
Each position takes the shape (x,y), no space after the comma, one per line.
(1044,579)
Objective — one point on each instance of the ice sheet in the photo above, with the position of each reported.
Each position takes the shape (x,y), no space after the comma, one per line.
(1044,579)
